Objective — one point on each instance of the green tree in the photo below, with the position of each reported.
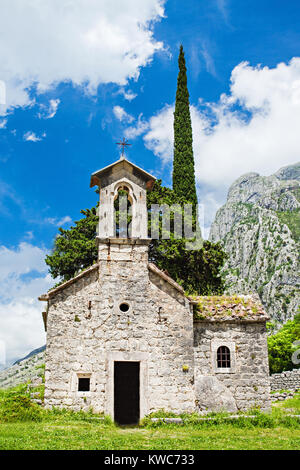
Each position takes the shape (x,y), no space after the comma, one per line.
(198,271)
(280,346)
(183,165)
(74,249)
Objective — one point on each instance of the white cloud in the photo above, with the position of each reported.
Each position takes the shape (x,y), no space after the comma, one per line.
(2,93)
(23,277)
(20,261)
(159,132)
(48,112)
(29,235)
(208,59)
(140,128)
(253,128)
(58,222)
(32,137)
(122,115)
(3,123)
(85,41)
(160,135)
(22,328)
(64,220)
(128,95)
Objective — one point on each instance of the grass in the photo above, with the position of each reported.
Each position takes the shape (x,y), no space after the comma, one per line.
(24,425)
(87,436)
(292,403)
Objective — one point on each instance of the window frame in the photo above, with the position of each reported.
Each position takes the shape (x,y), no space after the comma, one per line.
(223,357)
(215,345)
(75,376)
(78,382)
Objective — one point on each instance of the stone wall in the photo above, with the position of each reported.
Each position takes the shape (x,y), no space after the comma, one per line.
(288,380)
(157,331)
(87,332)
(246,383)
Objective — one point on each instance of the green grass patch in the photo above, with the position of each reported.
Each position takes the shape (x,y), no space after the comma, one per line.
(100,436)
(16,405)
(292,403)
(24,425)
(251,419)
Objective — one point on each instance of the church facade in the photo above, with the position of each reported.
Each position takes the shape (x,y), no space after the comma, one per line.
(124,339)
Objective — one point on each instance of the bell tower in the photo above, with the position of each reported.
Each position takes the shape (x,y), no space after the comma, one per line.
(126,179)
(123,254)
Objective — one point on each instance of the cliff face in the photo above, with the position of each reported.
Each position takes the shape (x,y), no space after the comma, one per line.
(259,227)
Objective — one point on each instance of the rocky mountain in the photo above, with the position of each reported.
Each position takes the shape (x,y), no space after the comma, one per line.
(259,227)
(32,353)
(25,370)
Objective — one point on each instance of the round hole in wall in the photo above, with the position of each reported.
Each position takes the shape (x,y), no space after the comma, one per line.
(124,307)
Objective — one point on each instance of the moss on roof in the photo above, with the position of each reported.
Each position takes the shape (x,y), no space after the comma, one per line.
(228,308)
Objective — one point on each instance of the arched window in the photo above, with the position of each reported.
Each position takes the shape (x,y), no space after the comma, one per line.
(223,357)
(123,213)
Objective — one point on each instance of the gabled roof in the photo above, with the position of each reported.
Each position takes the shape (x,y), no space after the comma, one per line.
(68,283)
(152,267)
(122,163)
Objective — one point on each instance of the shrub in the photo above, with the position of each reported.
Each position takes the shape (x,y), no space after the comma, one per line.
(16,405)
(280,346)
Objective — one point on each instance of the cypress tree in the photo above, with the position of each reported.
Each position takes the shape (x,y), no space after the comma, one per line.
(183,165)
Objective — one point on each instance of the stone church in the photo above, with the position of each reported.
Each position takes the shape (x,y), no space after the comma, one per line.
(124,339)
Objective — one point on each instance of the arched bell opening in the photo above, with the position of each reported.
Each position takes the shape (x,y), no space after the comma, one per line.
(123,211)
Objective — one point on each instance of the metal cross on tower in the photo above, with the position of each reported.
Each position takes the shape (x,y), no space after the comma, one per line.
(123,144)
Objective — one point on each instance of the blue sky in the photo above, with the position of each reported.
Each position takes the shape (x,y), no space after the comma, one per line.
(78,79)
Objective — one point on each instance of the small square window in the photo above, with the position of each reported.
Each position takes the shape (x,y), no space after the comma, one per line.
(83,384)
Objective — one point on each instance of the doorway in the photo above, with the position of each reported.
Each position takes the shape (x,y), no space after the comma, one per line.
(126,392)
